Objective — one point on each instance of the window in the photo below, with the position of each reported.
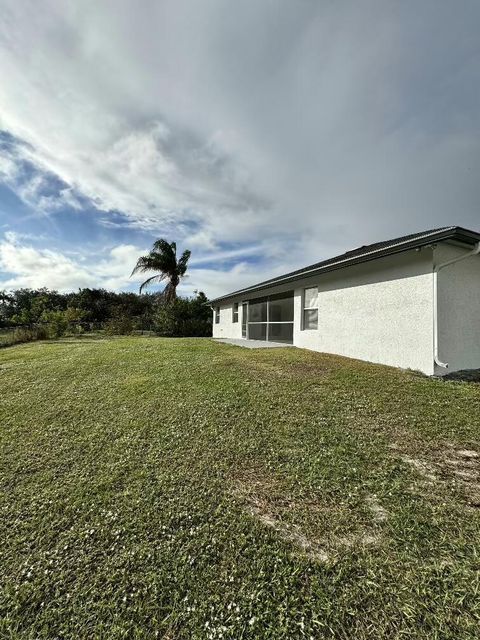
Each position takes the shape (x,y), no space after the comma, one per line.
(217,315)
(235,312)
(310,308)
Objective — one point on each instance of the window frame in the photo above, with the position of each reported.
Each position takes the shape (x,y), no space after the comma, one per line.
(235,312)
(305,309)
(217,315)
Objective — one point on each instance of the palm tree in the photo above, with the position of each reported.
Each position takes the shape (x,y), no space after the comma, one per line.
(163,259)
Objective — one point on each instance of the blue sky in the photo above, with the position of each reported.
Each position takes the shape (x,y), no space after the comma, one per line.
(261,135)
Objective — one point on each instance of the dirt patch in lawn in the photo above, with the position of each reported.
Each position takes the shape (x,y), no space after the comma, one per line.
(451,464)
(428,471)
(380,514)
(289,532)
(266,500)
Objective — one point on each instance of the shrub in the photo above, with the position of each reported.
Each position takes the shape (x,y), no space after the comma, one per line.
(185,317)
(57,323)
(120,326)
(74,315)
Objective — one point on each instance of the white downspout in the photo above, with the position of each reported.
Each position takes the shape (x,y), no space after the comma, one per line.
(475,251)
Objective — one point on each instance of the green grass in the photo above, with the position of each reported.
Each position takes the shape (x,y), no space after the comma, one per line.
(187,489)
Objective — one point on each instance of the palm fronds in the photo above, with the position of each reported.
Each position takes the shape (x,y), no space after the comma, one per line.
(163,259)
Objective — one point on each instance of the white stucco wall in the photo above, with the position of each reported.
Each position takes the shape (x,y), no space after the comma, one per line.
(458,310)
(226,328)
(381,311)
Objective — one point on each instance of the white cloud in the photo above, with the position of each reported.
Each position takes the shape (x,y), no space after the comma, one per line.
(114,271)
(27,266)
(8,169)
(216,281)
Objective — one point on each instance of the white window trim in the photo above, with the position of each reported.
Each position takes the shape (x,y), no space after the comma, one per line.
(237,312)
(304,308)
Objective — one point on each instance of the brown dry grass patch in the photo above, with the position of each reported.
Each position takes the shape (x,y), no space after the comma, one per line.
(451,465)
(269,501)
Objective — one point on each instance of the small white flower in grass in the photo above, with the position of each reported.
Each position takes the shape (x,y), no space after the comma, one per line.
(251,622)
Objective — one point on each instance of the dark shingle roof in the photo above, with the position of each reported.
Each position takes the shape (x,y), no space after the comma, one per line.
(365,254)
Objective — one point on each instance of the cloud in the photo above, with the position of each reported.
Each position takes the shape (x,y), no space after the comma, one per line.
(36,186)
(306,127)
(27,266)
(216,281)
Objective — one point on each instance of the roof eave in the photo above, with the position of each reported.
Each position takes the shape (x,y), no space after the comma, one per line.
(456,233)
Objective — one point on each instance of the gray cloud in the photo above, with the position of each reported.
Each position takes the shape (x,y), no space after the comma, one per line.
(313,125)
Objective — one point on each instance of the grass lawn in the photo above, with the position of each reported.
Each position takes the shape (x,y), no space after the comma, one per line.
(187,489)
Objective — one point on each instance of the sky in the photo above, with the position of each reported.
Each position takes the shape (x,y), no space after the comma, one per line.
(262,135)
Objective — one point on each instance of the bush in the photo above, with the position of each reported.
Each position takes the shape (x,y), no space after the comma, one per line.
(56,323)
(121,326)
(74,315)
(185,317)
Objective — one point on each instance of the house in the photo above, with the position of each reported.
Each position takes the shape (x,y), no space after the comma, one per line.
(412,302)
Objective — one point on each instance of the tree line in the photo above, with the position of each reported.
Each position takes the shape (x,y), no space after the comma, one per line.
(40,313)
(91,309)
